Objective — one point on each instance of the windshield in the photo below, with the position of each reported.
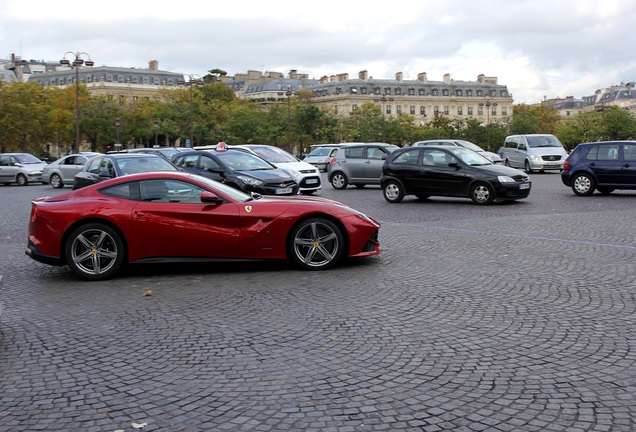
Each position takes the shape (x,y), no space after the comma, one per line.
(27,159)
(144,164)
(469,157)
(273,154)
(238,161)
(543,141)
(469,145)
(321,151)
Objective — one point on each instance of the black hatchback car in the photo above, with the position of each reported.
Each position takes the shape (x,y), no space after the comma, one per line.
(450,172)
(238,169)
(113,165)
(604,166)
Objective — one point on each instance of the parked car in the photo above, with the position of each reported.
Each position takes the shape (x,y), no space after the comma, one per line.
(176,216)
(243,171)
(534,152)
(307,175)
(321,154)
(492,157)
(166,152)
(20,168)
(450,172)
(62,171)
(604,166)
(113,165)
(358,164)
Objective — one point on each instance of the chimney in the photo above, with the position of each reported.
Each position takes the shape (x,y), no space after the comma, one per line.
(324,79)
(363,75)
(153,65)
(447,78)
(422,77)
(399,77)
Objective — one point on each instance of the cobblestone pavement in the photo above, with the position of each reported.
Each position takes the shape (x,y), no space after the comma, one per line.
(512,317)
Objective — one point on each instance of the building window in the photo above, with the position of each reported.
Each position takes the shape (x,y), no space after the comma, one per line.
(494,109)
(156,81)
(363,90)
(421,92)
(423,110)
(493,93)
(145,80)
(122,99)
(435,109)
(504,110)
(469,93)
(435,92)
(354,107)
(480,93)
(120,79)
(398,109)
(387,90)
(338,90)
(388,109)
(460,110)
(445,92)
(109,78)
(412,110)
(377,90)
(135,98)
(353,90)
(411,92)
(480,110)
(503,93)
(398,91)
(458,92)
(446,110)
(470,111)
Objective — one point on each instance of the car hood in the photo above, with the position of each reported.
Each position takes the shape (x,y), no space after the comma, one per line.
(268,176)
(296,166)
(541,151)
(500,170)
(491,156)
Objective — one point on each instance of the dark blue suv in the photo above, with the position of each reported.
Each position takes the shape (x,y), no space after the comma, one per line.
(604,166)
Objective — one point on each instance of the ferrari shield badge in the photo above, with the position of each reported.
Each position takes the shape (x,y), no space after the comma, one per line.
(248,208)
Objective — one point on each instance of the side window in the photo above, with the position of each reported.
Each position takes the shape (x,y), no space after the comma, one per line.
(5,160)
(407,158)
(593,153)
(107,165)
(183,192)
(154,190)
(207,163)
(354,153)
(522,144)
(510,143)
(608,152)
(189,161)
(375,153)
(129,191)
(629,152)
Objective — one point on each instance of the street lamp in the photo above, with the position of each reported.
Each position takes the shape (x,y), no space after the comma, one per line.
(193,79)
(76,63)
(117,126)
(289,93)
(384,100)
(156,123)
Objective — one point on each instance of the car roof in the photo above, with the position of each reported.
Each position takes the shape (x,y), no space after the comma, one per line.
(130,155)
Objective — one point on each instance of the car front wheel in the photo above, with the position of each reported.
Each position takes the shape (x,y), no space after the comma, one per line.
(94,251)
(527,167)
(316,244)
(583,184)
(22,180)
(393,192)
(56,181)
(339,180)
(482,193)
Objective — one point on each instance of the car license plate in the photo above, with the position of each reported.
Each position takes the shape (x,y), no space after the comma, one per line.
(283,191)
(524,186)
(311,181)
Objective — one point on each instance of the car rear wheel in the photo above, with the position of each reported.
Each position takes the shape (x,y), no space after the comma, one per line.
(583,184)
(316,244)
(339,180)
(22,180)
(393,192)
(94,251)
(56,181)
(482,193)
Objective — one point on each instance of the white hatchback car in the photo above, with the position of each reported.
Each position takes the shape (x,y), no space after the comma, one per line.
(306,175)
(62,171)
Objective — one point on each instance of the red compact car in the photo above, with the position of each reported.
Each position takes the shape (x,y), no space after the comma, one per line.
(177,216)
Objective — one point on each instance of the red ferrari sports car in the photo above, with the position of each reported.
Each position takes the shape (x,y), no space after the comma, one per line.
(177,216)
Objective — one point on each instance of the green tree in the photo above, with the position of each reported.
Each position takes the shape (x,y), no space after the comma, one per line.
(585,127)
(619,124)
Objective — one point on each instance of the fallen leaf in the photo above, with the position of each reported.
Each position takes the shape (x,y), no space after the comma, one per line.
(139,425)
(148,293)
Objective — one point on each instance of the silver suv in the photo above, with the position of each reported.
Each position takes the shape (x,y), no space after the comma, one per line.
(20,168)
(358,164)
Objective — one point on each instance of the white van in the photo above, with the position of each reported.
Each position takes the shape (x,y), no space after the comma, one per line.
(533,152)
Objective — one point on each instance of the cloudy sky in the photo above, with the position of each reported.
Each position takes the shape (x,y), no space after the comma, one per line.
(538,48)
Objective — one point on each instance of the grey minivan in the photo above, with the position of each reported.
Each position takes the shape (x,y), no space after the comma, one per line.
(533,152)
(20,168)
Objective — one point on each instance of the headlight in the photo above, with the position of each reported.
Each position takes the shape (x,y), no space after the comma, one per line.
(535,158)
(505,179)
(250,181)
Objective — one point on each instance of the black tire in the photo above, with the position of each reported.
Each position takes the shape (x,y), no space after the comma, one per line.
(393,192)
(482,193)
(339,180)
(583,184)
(527,167)
(94,251)
(56,181)
(22,180)
(605,190)
(315,244)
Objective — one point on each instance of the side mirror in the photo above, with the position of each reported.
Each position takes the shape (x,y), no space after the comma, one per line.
(209,197)
(454,165)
